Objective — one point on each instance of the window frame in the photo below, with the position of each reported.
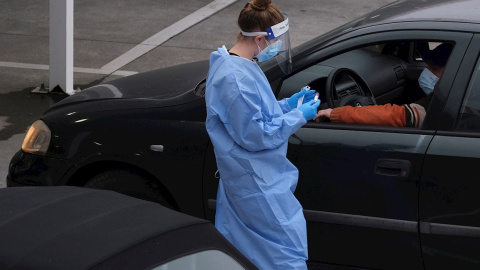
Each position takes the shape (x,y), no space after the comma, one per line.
(449,115)
(431,123)
(474,85)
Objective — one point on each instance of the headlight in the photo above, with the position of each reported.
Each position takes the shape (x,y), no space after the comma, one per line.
(37,139)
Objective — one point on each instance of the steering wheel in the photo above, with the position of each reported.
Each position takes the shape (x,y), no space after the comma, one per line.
(345,87)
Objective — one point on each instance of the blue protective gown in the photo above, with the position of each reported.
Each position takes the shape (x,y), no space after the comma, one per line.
(256,209)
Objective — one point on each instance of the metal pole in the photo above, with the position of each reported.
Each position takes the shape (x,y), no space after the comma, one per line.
(61,45)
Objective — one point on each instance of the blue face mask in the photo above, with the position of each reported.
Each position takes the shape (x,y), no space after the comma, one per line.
(427,81)
(269,52)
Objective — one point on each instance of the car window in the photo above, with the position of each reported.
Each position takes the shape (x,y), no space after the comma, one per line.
(380,73)
(469,119)
(423,45)
(205,260)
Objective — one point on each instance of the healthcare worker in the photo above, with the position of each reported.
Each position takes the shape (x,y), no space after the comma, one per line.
(256,209)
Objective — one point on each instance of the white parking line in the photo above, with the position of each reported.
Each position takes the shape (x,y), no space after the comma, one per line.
(167,33)
(142,48)
(75,69)
(24,65)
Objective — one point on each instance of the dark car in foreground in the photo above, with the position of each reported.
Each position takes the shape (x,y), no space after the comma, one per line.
(374,197)
(81,228)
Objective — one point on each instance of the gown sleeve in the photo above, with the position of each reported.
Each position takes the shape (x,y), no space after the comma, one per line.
(256,120)
(284,105)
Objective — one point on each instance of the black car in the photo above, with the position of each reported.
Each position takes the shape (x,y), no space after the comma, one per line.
(82,228)
(374,197)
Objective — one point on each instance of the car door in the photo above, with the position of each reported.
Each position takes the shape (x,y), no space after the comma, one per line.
(359,185)
(450,185)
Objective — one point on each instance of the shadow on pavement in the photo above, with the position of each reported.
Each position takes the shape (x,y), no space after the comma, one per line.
(21,108)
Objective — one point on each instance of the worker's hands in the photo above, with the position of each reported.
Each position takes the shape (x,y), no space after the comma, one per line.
(309,109)
(322,114)
(307,95)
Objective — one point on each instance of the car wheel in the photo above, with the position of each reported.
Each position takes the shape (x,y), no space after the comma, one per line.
(131,184)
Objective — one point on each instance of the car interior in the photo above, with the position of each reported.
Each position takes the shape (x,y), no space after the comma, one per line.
(374,74)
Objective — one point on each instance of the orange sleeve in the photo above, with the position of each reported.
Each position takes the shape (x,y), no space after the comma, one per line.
(379,115)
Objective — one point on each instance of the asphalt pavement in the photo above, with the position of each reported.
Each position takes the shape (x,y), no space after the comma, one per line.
(117,38)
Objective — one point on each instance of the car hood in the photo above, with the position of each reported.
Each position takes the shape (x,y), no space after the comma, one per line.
(166,85)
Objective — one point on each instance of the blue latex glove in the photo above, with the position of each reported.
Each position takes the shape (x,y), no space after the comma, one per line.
(308,96)
(309,109)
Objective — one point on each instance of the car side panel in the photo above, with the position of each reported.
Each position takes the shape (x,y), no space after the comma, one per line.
(126,137)
(359,212)
(211,180)
(449,196)
(367,219)
(450,204)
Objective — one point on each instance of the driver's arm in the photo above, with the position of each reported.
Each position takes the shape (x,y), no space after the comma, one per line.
(410,115)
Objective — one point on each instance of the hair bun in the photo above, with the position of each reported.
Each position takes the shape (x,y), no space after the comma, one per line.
(260,5)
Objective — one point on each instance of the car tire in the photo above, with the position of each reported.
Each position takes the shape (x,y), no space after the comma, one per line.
(132,184)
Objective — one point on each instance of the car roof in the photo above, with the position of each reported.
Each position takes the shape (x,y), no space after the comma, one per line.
(458,15)
(80,228)
(433,10)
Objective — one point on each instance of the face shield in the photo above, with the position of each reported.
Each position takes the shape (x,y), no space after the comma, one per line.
(279,36)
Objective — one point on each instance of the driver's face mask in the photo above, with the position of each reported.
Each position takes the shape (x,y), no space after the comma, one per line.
(270,51)
(427,81)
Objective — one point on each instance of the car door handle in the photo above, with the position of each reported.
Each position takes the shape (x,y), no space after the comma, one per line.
(393,167)
(156,148)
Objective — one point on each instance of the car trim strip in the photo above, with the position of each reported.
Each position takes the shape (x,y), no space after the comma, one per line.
(361,221)
(448,229)
(352,220)
(384,223)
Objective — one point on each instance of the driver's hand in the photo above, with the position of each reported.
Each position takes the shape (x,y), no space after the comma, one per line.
(322,114)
